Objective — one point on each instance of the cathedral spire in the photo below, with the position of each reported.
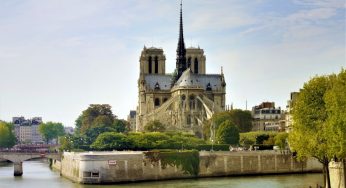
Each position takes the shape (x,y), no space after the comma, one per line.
(181,51)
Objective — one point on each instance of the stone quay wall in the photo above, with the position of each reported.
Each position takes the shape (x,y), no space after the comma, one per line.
(113,167)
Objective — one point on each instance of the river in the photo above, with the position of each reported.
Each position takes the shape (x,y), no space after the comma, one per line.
(37,174)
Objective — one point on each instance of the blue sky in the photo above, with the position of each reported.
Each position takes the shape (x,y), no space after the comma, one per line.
(59,56)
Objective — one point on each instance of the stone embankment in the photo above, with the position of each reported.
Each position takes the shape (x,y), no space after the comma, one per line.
(113,167)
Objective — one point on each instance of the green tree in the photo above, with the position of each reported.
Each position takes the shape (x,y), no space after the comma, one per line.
(121,126)
(241,118)
(280,140)
(228,133)
(95,115)
(65,143)
(7,138)
(319,120)
(335,99)
(51,130)
(154,126)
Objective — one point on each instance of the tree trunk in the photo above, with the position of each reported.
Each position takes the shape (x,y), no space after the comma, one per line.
(326,175)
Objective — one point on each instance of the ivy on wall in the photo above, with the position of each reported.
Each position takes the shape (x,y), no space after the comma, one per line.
(188,160)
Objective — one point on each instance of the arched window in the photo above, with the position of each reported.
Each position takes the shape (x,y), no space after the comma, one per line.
(156,65)
(196,66)
(189,62)
(150,65)
(188,119)
(164,100)
(192,102)
(157,102)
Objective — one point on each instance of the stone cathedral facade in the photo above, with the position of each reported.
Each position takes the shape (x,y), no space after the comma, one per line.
(184,99)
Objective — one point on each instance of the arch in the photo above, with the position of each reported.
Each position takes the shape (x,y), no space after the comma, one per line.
(195,66)
(150,63)
(156,64)
(192,102)
(188,62)
(157,102)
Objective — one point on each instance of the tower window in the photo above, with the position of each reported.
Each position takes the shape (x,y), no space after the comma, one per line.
(156,65)
(157,102)
(189,62)
(195,66)
(150,65)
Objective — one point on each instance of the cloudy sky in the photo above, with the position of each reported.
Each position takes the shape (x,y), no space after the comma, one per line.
(59,56)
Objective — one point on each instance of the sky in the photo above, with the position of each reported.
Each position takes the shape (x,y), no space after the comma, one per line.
(59,56)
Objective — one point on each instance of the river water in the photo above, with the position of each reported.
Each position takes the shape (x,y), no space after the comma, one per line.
(37,174)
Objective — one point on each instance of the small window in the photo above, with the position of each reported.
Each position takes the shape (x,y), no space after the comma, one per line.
(157,102)
(164,100)
(95,174)
(86,174)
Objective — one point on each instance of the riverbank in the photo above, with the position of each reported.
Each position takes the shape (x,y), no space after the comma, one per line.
(115,167)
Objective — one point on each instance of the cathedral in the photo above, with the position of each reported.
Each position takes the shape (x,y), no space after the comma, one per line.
(182,100)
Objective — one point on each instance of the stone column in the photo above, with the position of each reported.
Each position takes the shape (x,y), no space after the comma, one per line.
(18,168)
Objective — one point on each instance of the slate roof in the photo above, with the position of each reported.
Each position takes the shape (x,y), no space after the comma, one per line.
(188,78)
(164,81)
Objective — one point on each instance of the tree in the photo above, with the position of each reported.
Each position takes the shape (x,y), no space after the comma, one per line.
(335,105)
(51,130)
(228,133)
(319,120)
(280,140)
(7,138)
(154,126)
(95,115)
(121,126)
(241,118)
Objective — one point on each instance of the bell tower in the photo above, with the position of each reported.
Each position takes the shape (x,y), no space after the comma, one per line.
(152,61)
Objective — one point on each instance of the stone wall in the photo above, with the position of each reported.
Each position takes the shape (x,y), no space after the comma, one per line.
(112,167)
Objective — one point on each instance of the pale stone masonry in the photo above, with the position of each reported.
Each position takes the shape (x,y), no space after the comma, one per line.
(114,167)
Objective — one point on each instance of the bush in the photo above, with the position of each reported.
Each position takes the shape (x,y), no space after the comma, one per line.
(111,141)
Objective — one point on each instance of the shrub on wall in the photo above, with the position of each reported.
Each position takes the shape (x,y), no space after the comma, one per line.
(187,160)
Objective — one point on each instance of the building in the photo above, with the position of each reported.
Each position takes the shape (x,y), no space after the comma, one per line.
(69,130)
(26,130)
(181,100)
(131,118)
(289,107)
(267,118)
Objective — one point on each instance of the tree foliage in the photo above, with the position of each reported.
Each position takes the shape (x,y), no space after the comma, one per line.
(154,126)
(51,130)
(96,115)
(7,138)
(240,118)
(228,133)
(319,127)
